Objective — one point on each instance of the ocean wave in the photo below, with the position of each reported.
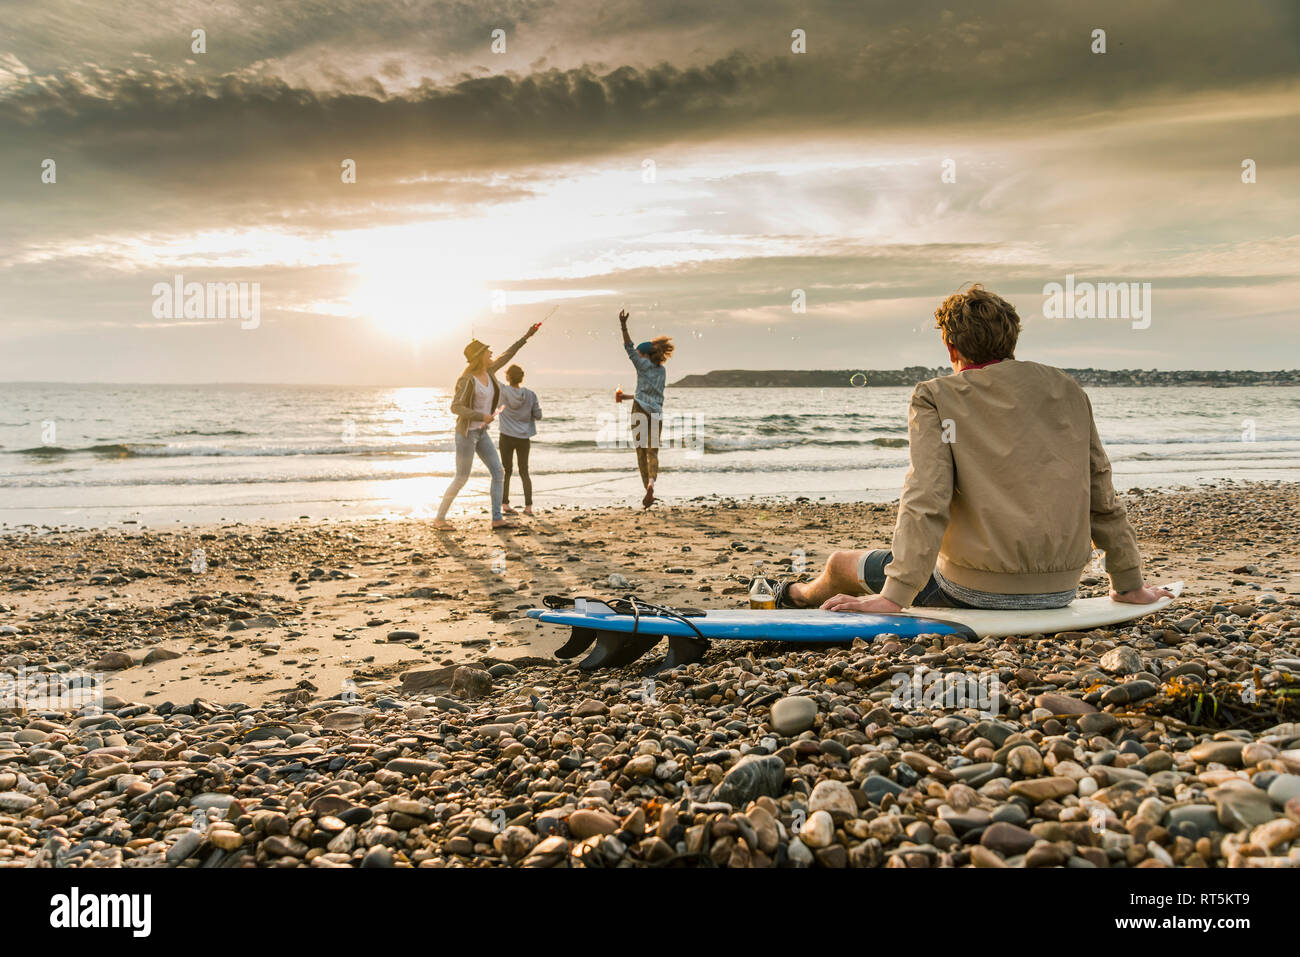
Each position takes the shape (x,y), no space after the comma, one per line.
(1232,438)
(112,450)
(1209,456)
(686,466)
(714,441)
(146,450)
(741,443)
(767,443)
(203,433)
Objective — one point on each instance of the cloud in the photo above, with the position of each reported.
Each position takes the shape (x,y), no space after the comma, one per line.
(775,170)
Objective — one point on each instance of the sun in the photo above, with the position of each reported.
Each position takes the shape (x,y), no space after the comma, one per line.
(418,298)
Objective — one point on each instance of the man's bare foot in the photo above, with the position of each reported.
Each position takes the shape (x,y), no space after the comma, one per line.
(507,510)
(649,497)
(441,523)
(528,510)
(502,525)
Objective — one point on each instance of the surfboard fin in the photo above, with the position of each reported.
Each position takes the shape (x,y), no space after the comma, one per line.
(681,651)
(580,640)
(615,649)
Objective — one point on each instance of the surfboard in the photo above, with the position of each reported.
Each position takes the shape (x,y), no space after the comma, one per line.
(622,638)
(1079,615)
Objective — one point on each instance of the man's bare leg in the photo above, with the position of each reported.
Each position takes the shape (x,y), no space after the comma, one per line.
(839,577)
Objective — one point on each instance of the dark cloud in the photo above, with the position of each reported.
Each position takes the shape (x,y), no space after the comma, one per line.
(878,67)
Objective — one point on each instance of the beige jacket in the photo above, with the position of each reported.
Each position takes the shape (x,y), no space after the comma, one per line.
(1009,484)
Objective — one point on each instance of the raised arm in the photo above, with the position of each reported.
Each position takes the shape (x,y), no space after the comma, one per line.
(509,354)
(641,362)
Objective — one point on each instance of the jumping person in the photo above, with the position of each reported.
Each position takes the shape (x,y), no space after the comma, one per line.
(1008,488)
(474,403)
(517,426)
(648,405)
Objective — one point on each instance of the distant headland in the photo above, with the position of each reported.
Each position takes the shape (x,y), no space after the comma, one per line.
(911,375)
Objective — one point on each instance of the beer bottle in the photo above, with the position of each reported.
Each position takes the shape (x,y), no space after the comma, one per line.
(761,595)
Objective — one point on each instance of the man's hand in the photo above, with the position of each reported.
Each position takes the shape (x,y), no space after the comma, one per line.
(1141,596)
(873,604)
(622,315)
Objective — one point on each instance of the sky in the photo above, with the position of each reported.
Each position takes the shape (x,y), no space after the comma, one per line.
(775,185)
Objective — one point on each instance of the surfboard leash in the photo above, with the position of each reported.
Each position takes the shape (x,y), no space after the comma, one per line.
(631,605)
(663,611)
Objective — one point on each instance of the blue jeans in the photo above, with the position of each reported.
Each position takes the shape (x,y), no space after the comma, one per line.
(478,441)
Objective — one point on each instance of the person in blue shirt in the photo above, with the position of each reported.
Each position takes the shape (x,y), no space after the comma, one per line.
(648,405)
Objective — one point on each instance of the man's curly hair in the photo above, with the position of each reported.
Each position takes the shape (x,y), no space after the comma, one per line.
(980,325)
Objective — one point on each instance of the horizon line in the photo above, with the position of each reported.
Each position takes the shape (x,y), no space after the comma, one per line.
(411,385)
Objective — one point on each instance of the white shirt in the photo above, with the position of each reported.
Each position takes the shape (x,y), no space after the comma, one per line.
(482,400)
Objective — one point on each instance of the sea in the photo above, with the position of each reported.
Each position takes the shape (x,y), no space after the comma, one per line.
(97,455)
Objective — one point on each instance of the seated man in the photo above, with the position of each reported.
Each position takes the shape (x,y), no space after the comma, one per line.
(1009,484)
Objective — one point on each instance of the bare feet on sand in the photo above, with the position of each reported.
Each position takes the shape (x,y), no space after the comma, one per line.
(441,523)
(649,498)
(503,525)
(507,510)
(528,510)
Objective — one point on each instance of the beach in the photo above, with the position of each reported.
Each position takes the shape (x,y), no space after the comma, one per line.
(327,692)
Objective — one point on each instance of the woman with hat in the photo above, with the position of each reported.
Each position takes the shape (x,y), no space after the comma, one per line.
(474,403)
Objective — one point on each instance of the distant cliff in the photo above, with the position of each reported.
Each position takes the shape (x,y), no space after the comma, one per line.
(840,378)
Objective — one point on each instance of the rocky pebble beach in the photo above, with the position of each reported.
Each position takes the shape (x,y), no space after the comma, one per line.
(1173,741)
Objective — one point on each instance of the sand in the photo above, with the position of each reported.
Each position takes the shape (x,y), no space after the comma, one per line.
(335,591)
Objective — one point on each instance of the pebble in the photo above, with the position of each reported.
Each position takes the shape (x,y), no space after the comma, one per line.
(1284,787)
(1007,839)
(799,853)
(12,801)
(184,846)
(1121,661)
(1199,819)
(1242,807)
(1011,814)
(1101,722)
(1024,761)
(113,661)
(834,798)
(818,830)
(211,800)
(876,787)
(1063,704)
(1043,789)
(1129,692)
(751,777)
(1219,752)
(790,716)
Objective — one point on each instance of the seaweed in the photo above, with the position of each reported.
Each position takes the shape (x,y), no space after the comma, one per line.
(1222,705)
